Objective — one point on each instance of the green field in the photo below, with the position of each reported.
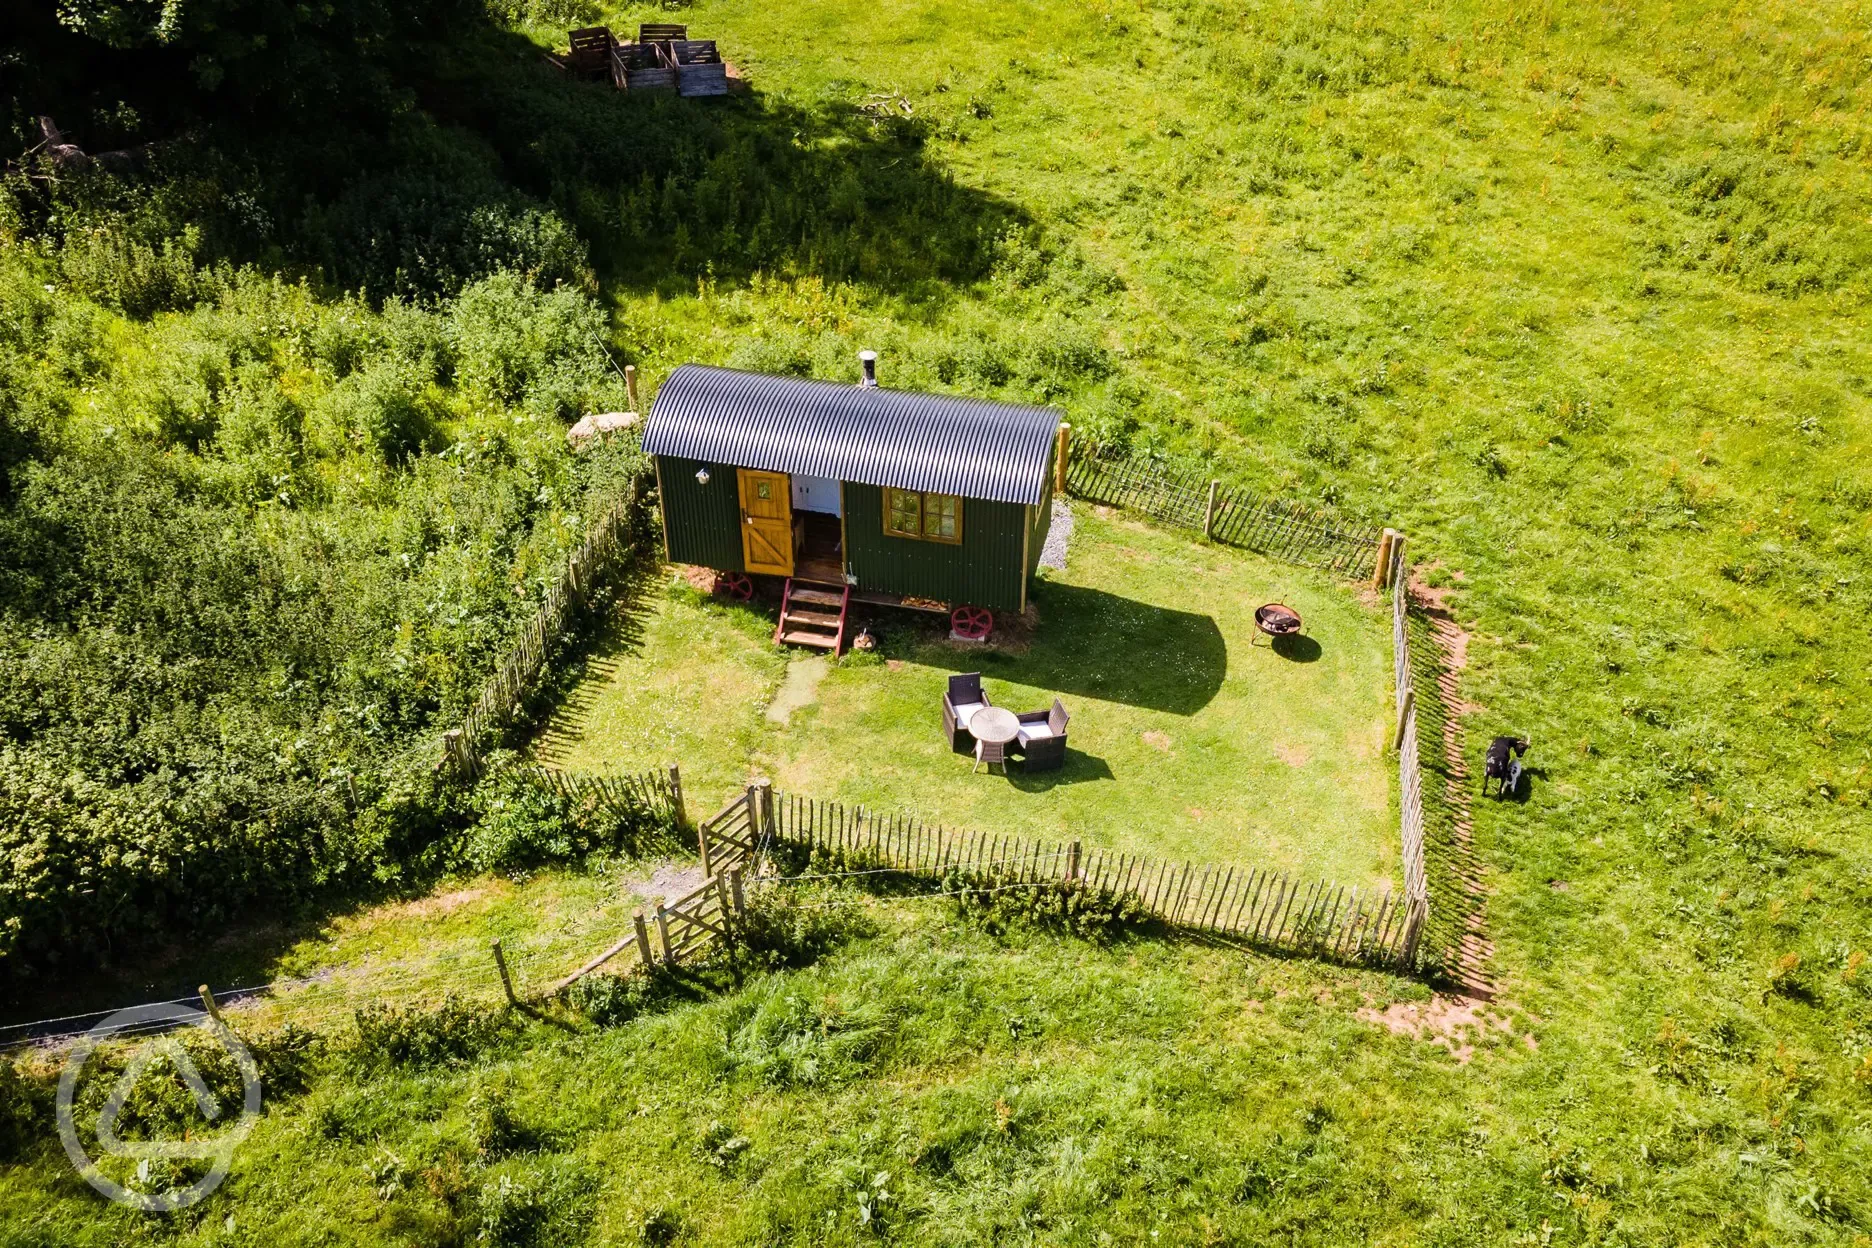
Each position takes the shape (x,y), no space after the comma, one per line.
(1186,739)
(1574,295)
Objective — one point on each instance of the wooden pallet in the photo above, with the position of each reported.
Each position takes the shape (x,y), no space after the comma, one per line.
(699,68)
(643,67)
(591,52)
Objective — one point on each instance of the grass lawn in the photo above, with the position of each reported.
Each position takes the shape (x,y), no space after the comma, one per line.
(986,1086)
(1186,739)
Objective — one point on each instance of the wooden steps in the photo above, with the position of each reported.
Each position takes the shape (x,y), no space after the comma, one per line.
(806,618)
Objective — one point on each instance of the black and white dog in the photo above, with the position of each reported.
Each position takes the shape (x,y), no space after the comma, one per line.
(1502,764)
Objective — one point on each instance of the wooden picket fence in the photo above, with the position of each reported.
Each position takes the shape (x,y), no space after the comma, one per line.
(606,546)
(1269,909)
(1225,513)
(654,794)
(1410,769)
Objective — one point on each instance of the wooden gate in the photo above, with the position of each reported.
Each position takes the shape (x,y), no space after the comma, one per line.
(733,838)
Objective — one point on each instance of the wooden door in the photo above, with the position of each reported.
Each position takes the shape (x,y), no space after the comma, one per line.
(766,521)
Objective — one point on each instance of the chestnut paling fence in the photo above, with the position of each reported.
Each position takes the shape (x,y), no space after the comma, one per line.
(1410,767)
(606,546)
(1224,513)
(1265,908)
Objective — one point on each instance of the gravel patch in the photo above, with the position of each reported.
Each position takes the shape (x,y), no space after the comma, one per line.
(1053,553)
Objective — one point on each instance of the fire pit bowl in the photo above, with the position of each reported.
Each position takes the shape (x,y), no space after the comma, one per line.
(1277,620)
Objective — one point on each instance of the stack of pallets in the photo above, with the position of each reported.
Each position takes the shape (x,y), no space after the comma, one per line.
(663,58)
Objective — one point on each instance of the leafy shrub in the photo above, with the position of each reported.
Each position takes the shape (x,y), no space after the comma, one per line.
(613,1000)
(782,928)
(515,343)
(430,233)
(1000,904)
(287,1058)
(525,824)
(137,278)
(452,1033)
(494,1130)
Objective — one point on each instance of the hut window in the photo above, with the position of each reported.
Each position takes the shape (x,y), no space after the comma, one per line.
(932,517)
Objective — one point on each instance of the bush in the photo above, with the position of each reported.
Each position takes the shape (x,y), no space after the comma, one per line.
(535,1206)
(1000,905)
(524,824)
(245,575)
(139,278)
(515,343)
(784,929)
(416,233)
(452,1033)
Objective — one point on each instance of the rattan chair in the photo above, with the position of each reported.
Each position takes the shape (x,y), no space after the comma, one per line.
(960,701)
(1042,740)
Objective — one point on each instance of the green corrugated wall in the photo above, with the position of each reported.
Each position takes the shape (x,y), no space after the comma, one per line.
(703,521)
(984,570)
(704,527)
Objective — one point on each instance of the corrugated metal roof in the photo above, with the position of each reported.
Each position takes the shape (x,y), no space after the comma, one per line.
(874,436)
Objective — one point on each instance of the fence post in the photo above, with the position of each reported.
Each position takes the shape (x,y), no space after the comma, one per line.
(762,819)
(630,385)
(1209,514)
(734,888)
(1397,563)
(1413,929)
(500,964)
(1059,459)
(1072,862)
(701,836)
(1381,574)
(676,801)
(728,918)
(208,1003)
(643,938)
(662,922)
(1406,705)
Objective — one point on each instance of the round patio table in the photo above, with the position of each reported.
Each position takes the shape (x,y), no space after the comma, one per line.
(992,727)
(994,724)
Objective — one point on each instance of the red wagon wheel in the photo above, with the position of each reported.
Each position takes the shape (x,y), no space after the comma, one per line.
(735,585)
(972,623)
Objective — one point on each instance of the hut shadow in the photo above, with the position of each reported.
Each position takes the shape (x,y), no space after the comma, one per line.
(1079,768)
(1095,644)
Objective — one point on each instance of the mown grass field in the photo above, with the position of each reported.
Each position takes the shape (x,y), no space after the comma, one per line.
(1187,740)
(1575,296)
